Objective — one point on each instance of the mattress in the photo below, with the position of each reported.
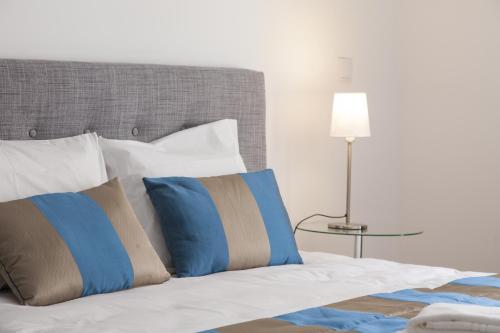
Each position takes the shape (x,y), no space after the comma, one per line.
(202,303)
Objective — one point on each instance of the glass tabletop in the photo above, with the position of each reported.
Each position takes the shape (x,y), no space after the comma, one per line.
(321,226)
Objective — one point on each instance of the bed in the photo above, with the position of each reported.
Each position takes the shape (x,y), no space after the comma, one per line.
(202,303)
(52,99)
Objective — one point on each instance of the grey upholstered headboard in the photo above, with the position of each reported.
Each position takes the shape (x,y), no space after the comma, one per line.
(51,99)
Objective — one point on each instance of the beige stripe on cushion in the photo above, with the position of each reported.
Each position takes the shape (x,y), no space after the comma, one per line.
(25,252)
(147,266)
(247,240)
(274,326)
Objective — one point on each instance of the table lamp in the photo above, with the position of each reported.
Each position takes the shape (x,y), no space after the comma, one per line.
(350,121)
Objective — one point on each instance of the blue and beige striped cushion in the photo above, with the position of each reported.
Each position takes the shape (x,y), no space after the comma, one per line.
(223,223)
(57,247)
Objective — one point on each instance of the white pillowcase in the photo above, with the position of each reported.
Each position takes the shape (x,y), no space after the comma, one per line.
(35,167)
(207,150)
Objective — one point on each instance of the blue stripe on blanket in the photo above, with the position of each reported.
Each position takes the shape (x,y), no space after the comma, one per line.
(482,281)
(410,295)
(343,320)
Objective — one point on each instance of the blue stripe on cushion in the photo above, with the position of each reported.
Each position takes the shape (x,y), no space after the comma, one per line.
(410,295)
(482,281)
(344,320)
(202,248)
(105,265)
(265,190)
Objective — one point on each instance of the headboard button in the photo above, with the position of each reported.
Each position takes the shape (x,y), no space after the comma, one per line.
(135,131)
(87,131)
(32,133)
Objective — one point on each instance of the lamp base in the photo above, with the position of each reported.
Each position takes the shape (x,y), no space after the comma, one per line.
(345,226)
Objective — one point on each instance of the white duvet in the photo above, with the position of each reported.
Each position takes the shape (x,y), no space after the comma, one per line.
(195,304)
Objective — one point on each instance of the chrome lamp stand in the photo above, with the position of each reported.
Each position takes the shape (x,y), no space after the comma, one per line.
(348,225)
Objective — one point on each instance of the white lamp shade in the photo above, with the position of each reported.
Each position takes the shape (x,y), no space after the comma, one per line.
(350,115)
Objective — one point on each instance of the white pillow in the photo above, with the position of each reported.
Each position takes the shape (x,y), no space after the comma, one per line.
(35,167)
(207,150)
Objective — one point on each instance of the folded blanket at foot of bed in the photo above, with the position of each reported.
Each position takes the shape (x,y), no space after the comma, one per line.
(385,312)
(450,318)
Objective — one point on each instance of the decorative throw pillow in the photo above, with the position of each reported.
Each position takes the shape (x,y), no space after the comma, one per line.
(32,167)
(207,150)
(61,246)
(223,223)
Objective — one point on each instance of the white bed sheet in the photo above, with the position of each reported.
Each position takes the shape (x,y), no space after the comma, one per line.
(201,303)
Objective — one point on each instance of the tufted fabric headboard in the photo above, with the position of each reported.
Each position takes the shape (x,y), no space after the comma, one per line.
(51,99)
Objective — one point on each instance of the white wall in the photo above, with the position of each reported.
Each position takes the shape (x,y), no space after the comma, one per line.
(295,42)
(451,137)
(430,68)
(364,30)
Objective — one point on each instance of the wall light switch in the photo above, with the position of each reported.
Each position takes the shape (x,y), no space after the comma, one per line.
(344,69)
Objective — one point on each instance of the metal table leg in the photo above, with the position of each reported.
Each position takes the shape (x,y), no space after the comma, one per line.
(358,246)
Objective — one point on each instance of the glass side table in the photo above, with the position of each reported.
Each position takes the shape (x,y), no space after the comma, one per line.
(321,226)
